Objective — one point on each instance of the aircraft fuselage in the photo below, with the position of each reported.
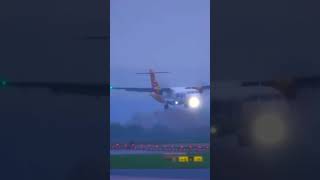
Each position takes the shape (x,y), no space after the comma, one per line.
(178,96)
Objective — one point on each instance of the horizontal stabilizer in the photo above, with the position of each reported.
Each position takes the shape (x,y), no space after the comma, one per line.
(153,72)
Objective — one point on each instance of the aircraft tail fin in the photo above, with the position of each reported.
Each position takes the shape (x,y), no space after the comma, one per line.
(154,83)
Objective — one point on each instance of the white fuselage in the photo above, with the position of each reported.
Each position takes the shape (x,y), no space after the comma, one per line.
(180,95)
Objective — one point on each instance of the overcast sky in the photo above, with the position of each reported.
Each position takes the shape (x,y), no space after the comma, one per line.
(166,35)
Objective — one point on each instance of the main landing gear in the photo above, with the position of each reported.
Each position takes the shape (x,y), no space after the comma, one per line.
(166,106)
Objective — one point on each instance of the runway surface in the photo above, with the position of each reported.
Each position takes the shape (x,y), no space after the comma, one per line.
(160,174)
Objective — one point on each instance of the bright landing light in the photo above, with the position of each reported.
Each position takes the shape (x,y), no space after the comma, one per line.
(194,102)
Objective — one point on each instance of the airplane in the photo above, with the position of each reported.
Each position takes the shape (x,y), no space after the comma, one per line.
(189,97)
(232,115)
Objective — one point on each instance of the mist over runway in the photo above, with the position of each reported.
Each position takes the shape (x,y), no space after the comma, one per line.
(172,126)
(175,118)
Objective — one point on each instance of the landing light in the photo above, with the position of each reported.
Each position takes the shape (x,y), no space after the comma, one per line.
(194,102)
(176,102)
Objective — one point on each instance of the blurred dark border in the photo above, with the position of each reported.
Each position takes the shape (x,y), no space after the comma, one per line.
(35,36)
(263,40)
(212,76)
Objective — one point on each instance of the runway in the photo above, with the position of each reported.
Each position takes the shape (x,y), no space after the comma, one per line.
(138,178)
(160,174)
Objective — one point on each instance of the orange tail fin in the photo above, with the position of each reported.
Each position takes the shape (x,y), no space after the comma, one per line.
(154,83)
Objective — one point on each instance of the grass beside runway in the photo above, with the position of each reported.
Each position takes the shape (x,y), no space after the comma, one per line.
(154,161)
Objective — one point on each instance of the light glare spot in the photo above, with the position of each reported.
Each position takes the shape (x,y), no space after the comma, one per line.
(270,130)
(194,102)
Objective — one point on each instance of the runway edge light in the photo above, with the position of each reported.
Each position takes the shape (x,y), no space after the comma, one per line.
(198,159)
(183,159)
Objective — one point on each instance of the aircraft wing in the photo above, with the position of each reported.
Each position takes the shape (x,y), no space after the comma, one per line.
(299,82)
(199,88)
(288,87)
(132,89)
(90,89)
(206,87)
(135,89)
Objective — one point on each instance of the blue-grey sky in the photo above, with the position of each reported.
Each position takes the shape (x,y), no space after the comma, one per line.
(166,35)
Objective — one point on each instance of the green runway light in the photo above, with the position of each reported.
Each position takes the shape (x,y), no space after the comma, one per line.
(3,83)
